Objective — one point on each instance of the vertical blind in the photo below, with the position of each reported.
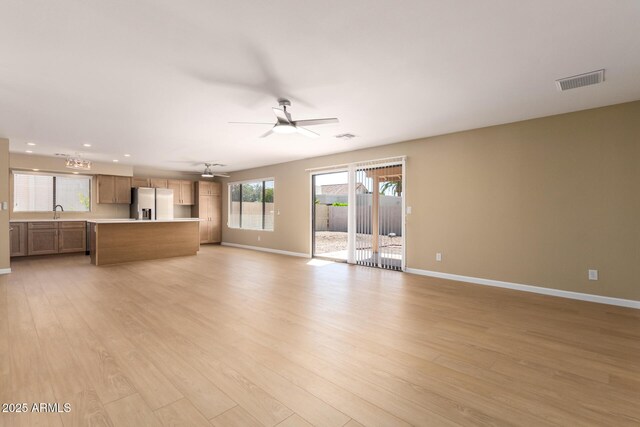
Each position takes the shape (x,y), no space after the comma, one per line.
(379,215)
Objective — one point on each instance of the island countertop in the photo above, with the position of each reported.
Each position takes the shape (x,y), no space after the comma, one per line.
(139,221)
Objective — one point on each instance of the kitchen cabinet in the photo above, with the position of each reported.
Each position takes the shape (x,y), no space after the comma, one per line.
(18,238)
(72,237)
(208,209)
(47,237)
(158,183)
(182,191)
(186,192)
(42,238)
(139,182)
(209,188)
(123,189)
(114,189)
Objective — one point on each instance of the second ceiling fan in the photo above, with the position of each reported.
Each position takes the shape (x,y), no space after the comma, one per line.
(285,124)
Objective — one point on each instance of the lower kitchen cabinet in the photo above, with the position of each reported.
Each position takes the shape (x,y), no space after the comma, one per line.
(18,238)
(47,237)
(42,238)
(72,237)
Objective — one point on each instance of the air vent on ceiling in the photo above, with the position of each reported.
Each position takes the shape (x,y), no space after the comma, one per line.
(586,79)
(345,136)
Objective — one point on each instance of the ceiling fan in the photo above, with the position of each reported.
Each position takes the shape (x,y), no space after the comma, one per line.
(208,173)
(285,124)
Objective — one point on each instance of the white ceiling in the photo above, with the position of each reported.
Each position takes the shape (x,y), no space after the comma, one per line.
(160,79)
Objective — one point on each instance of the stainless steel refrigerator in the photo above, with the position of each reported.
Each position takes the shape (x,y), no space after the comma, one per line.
(164,203)
(143,203)
(151,203)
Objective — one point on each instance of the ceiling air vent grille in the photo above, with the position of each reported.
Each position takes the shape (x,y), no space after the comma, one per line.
(586,79)
(345,136)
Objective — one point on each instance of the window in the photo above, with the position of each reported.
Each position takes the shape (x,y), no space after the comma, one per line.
(34,192)
(251,205)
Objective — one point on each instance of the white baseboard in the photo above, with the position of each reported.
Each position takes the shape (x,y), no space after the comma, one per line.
(5,270)
(273,251)
(528,288)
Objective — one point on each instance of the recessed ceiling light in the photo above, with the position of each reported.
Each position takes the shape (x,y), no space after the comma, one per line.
(86,145)
(127,155)
(35,170)
(115,160)
(31,143)
(75,173)
(29,151)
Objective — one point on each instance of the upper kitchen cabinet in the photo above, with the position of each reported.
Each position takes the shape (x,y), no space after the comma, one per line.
(182,191)
(158,183)
(139,182)
(209,188)
(114,189)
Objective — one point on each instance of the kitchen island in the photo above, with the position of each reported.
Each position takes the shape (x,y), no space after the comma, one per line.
(114,241)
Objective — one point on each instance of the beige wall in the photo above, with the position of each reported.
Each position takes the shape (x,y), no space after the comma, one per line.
(4,197)
(537,202)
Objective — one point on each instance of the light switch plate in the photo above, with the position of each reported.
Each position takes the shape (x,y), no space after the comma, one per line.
(438,256)
(5,206)
(408,210)
(593,274)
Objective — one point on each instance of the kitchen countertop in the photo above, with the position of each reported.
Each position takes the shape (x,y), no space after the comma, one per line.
(139,221)
(106,220)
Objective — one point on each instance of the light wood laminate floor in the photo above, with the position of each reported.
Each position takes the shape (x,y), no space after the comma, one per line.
(239,338)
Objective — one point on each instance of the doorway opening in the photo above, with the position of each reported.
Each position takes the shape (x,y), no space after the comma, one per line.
(330,215)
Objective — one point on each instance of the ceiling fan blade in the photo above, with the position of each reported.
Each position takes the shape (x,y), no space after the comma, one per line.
(251,123)
(267,133)
(221,174)
(307,132)
(282,115)
(313,122)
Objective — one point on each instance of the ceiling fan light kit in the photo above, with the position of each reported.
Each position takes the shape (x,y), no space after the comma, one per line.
(208,173)
(284,128)
(285,125)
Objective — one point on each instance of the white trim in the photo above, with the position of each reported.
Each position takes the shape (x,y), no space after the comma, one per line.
(528,288)
(404,214)
(274,251)
(5,270)
(351,214)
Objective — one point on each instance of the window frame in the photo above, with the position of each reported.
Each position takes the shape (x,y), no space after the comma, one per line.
(54,175)
(264,203)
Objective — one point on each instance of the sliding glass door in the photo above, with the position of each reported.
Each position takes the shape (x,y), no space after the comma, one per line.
(358,214)
(379,215)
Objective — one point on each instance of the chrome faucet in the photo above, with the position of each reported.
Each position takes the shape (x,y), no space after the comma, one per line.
(55,212)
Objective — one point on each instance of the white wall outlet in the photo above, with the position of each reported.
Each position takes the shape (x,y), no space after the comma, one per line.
(593,274)
(259,238)
(5,206)
(438,256)
(408,210)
